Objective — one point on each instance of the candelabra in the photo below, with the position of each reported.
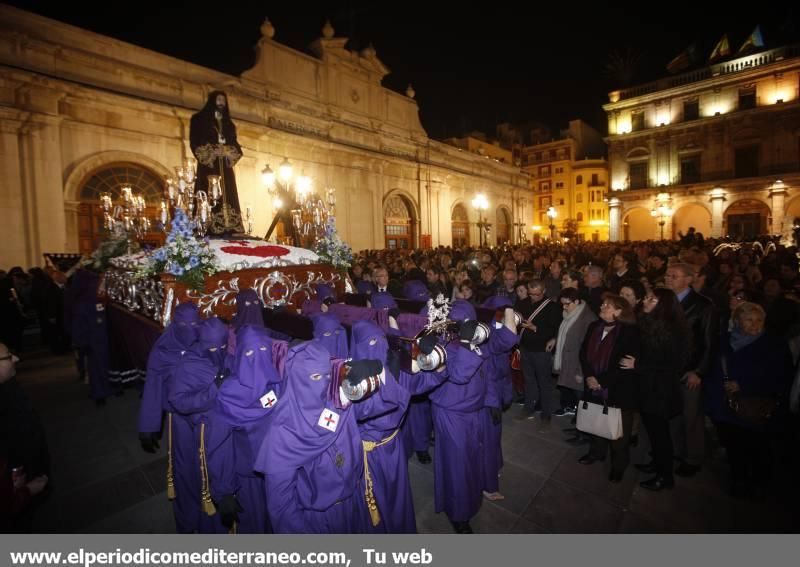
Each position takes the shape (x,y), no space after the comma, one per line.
(199,205)
(128,216)
(304,213)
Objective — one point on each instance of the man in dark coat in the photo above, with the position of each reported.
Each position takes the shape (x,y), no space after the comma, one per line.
(689,433)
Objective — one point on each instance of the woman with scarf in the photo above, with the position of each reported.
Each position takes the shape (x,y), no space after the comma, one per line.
(606,343)
(665,346)
(566,361)
(385,457)
(752,363)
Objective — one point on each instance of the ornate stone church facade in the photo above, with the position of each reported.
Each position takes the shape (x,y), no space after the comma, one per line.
(82,114)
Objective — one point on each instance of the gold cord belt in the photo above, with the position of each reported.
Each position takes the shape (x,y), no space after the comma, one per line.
(369,494)
(170,474)
(205,494)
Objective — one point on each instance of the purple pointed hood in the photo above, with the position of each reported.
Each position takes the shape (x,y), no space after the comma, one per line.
(295,436)
(253,376)
(382,300)
(248,310)
(368,342)
(462,310)
(330,333)
(416,291)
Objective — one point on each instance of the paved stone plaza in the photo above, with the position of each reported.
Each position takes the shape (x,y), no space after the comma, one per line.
(102,482)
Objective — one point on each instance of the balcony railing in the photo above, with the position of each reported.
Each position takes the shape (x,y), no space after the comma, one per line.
(725,68)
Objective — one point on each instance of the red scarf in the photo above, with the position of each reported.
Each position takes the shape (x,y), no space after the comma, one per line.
(599,348)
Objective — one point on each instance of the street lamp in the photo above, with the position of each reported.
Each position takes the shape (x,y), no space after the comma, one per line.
(552,214)
(662,210)
(480,203)
(304,214)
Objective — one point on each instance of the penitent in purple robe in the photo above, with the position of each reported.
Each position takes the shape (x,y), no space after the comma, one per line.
(193,396)
(496,355)
(311,455)
(178,337)
(246,402)
(388,463)
(89,331)
(330,334)
(416,291)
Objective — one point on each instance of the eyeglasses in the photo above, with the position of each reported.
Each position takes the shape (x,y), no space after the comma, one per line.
(651,299)
(605,305)
(566,303)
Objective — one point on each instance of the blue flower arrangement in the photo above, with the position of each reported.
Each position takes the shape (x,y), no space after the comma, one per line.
(331,249)
(190,260)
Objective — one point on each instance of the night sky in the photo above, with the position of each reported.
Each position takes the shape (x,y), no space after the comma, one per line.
(471,67)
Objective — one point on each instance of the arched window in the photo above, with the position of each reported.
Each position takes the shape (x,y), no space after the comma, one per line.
(110,179)
(398,223)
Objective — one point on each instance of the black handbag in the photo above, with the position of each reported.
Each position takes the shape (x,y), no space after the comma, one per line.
(757,410)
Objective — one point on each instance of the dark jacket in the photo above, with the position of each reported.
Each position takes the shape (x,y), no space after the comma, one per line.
(762,368)
(621,384)
(703,332)
(547,322)
(660,366)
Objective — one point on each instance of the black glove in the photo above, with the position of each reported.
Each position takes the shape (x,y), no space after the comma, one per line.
(393,362)
(221,376)
(149,442)
(328,301)
(427,343)
(497,415)
(467,330)
(229,508)
(361,369)
(394,312)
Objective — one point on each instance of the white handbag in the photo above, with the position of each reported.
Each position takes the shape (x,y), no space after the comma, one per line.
(599,419)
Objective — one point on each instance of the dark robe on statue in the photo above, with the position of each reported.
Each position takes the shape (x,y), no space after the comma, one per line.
(208,137)
(246,402)
(311,455)
(388,463)
(193,396)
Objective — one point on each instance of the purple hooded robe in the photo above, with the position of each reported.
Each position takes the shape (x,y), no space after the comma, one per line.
(458,407)
(89,331)
(178,337)
(193,397)
(311,455)
(387,463)
(246,401)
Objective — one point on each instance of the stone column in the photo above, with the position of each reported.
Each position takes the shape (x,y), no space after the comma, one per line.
(13,202)
(777,195)
(717,202)
(614,220)
(43,185)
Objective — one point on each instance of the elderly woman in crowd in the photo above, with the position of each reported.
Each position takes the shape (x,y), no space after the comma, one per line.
(607,342)
(753,366)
